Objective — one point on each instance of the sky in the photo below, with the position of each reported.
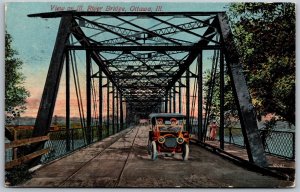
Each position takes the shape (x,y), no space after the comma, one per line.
(34,39)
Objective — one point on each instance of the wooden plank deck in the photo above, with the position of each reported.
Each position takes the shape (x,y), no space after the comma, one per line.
(122,161)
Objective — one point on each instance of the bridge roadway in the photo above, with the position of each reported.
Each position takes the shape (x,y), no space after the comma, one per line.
(122,161)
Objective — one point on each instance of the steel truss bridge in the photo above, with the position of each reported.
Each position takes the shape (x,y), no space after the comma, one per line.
(143,62)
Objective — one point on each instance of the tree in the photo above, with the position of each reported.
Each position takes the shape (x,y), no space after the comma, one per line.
(265,38)
(15,92)
(213,85)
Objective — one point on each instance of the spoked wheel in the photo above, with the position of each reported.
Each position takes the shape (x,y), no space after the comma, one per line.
(185,151)
(153,151)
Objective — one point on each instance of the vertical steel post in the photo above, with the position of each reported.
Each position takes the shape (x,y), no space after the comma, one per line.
(100,105)
(128,123)
(67,101)
(121,112)
(170,101)
(88,98)
(254,146)
(174,99)
(179,97)
(113,109)
(294,145)
(188,99)
(200,96)
(166,103)
(117,99)
(107,105)
(15,149)
(221,128)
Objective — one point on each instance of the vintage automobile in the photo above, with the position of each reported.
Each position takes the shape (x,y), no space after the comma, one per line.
(167,135)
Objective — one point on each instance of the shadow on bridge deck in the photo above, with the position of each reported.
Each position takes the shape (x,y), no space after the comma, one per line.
(273,161)
(122,161)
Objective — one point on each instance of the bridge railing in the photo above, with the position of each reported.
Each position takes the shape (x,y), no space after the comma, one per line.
(276,143)
(60,143)
(280,143)
(58,140)
(16,151)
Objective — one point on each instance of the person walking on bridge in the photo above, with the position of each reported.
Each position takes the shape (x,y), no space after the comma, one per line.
(213,130)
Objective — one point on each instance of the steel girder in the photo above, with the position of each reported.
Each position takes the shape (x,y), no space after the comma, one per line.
(46,108)
(246,110)
(144,61)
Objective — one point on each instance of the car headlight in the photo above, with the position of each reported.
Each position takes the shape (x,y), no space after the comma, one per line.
(161,139)
(180,140)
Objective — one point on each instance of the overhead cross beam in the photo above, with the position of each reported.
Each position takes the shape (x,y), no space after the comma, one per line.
(183,29)
(128,14)
(162,31)
(148,31)
(160,48)
(124,36)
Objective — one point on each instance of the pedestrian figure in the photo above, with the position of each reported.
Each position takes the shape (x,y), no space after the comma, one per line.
(213,130)
(208,133)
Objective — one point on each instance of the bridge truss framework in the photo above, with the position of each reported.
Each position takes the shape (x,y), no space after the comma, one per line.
(143,56)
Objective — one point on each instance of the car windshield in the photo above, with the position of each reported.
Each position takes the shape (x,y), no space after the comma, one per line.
(169,129)
(169,124)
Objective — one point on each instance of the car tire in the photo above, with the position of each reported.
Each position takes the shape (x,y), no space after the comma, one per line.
(153,151)
(185,152)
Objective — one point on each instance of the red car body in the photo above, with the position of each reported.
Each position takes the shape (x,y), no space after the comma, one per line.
(167,135)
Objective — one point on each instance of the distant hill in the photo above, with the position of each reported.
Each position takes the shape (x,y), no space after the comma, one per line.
(23,121)
(55,120)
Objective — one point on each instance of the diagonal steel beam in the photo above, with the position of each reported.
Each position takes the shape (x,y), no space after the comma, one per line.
(242,97)
(45,112)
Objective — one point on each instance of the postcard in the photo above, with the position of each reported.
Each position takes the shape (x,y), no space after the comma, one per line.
(150,94)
